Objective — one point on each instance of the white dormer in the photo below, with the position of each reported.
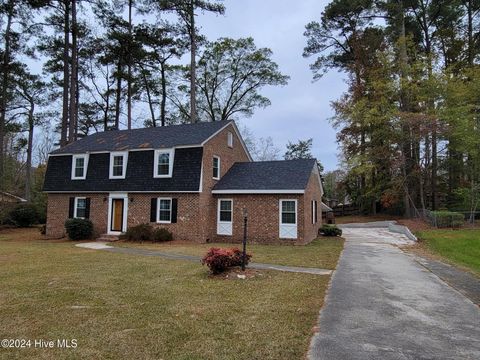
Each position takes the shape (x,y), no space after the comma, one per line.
(79,166)
(163,163)
(118,164)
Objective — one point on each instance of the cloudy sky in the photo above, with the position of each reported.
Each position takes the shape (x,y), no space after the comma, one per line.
(301,109)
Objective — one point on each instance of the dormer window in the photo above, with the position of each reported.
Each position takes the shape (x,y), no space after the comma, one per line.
(163,163)
(79,167)
(230,139)
(216,168)
(118,165)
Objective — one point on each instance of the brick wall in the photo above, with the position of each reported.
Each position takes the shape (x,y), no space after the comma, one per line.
(312,192)
(57,213)
(217,146)
(263,218)
(188,220)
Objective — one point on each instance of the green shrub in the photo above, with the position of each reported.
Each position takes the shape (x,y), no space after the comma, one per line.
(79,229)
(142,232)
(162,234)
(24,215)
(330,230)
(444,219)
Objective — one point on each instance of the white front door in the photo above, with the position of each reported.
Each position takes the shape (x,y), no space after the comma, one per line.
(225,217)
(288,219)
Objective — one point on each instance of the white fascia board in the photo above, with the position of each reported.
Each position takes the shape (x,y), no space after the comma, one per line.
(129,192)
(258,191)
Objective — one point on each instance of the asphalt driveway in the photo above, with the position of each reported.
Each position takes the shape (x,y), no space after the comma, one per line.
(382,304)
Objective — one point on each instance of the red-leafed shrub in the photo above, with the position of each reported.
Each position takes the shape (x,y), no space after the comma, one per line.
(219,260)
(237,257)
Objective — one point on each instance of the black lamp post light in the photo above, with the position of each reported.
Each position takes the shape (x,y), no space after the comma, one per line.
(244,253)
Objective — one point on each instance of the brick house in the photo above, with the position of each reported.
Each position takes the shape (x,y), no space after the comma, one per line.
(195,180)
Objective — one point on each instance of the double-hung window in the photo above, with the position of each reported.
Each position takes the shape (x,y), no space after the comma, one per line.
(118,165)
(79,167)
(216,167)
(163,163)
(80,207)
(164,210)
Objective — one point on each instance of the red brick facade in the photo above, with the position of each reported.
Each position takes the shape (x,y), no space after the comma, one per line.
(197,212)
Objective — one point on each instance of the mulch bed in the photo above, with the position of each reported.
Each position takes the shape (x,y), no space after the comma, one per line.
(236,273)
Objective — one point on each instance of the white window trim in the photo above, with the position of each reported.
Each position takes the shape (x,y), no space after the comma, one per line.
(75,207)
(171,153)
(85,166)
(230,139)
(124,168)
(158,210)
(111,197)
(219,167)
(225,222)
(280,211)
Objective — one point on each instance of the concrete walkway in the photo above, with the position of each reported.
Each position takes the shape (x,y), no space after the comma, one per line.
(383,304)
(146,252)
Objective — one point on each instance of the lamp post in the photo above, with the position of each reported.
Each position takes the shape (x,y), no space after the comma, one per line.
(244,254)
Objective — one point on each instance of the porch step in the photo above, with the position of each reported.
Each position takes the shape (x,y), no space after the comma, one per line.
(108,238)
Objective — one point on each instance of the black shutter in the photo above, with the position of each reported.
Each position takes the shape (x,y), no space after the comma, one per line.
(87,208)
(71,207)
(174,210)
(316,212)
(153,210)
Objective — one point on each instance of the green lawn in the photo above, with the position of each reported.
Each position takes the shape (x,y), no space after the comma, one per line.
(320,253)
(461,247)
(121,306)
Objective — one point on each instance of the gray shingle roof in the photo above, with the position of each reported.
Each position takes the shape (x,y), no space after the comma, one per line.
(147,138)
(267,175)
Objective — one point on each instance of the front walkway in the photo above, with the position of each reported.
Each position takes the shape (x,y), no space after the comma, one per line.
(145,252)
(382,304)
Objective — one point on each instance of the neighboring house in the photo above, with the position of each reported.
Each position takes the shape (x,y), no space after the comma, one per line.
(195,180)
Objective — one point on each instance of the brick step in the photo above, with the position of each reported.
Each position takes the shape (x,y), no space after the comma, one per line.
(108,238)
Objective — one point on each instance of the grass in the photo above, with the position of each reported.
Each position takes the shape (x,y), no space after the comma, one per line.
(124,306)
(320,253)
(461,247)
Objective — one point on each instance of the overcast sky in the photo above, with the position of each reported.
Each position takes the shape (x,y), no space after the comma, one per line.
(301,109)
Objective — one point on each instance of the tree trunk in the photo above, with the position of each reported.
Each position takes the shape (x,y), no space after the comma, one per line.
(471,44)
(3,104)
(73,77)
(193,76)
(129,67)
(164,93)
(28,170)
(118,96)
(149,98)
(66,72)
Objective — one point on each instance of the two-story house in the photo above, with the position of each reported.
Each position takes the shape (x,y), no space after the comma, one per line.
(195,180)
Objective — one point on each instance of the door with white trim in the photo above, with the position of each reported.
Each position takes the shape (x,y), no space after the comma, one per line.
(288,219)
(225,217)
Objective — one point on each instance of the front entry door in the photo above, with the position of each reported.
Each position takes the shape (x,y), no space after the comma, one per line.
(117,215)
